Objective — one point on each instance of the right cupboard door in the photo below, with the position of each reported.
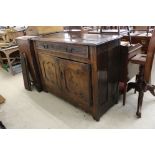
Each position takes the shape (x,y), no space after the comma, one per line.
(76,81)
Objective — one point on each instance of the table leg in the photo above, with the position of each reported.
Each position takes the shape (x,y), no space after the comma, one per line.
(10,65)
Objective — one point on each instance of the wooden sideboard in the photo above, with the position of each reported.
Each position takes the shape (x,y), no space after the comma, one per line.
(83,69)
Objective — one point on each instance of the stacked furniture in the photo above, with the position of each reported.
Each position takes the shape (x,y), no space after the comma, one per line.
(9,52)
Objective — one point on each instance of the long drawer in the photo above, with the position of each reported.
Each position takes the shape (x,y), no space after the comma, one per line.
(67,49)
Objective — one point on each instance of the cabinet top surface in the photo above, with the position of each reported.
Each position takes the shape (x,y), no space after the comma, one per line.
(84,39)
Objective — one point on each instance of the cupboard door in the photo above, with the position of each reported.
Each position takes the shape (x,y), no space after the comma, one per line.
(50,72)
(77,81)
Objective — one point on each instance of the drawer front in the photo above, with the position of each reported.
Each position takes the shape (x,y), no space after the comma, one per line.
(76,50)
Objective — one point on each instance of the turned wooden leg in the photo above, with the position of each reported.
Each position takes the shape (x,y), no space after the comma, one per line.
(140,101)
(135,88)
(141,85)
(136,81)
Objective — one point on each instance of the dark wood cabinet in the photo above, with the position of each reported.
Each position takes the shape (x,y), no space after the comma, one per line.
(82,69)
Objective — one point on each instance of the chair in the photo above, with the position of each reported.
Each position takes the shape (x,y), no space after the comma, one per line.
(142,83)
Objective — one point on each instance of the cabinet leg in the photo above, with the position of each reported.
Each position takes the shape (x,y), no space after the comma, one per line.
(2,126)
(45,90)
(39,89)
(96,118)
(29,89)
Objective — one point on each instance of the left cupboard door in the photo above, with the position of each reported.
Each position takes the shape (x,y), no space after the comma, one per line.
(49,67)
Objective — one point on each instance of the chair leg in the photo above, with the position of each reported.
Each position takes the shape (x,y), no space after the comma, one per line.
(141,86)
(136,81)
(140,101)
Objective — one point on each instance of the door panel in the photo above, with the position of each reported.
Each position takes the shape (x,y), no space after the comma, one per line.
(76,83)
(50,72)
